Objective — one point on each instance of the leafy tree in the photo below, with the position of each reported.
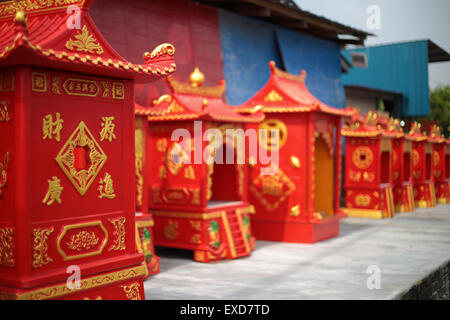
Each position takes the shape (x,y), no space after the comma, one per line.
(440,108)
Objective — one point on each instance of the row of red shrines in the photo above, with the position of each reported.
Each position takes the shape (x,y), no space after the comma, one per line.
(67,178)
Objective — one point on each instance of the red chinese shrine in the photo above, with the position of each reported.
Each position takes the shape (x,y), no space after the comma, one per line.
(368,168)
(440,159)
(401,168)
(144,219)
(423,185)
(196,205)
(67,169)
(301,201)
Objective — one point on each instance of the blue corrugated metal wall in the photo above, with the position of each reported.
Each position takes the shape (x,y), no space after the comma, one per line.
(321,61)
(401,67)
(248,45)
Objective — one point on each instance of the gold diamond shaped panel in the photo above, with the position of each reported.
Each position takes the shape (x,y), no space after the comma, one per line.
(81,158)
(272,190)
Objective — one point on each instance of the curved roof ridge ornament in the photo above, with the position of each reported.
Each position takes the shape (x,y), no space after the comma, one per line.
(195,88)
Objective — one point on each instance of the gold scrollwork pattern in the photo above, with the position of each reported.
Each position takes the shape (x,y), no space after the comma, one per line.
(4,111)
(7,238)
(4,172)
(81,158)
(171,230)
(132,291)
(120,233)
(362,157)
(363,200)
(84,42)
(139,152)
(273,96)
(40,247)
(83,241)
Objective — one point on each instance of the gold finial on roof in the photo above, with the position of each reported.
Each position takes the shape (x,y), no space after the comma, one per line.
(197,78)
(371,119)
(415,128)
(21,18)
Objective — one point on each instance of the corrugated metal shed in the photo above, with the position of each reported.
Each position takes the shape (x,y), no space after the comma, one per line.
(399,67)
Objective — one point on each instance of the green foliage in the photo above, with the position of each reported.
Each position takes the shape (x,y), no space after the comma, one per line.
(440,108)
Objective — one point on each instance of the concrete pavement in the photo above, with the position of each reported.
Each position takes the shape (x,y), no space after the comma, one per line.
(405,249)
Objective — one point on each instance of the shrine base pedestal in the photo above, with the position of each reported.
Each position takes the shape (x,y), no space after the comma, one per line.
(404,198)
(424,195)
(442,192)
(122,284)
(370,203)
(145,243)
(221,234)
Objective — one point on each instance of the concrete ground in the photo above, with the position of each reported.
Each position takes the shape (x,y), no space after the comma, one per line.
(405,249)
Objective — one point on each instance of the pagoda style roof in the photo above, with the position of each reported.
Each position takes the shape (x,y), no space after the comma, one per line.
(44,34)
(371,126)
(287,93)
(192,101)
(435,135)
(416,134)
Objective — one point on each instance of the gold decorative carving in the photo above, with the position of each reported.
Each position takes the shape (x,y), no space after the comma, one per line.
(82,240)
(38,82)
(7,238)
(362,157)
(295,162)
(161,145)
(195,196)
(132,291)
(139,153)
(363,200)
(86,284)
(368,176)
(120,233)
(171,230)
(82,140)
(81,87)
(118,90)
(189,173)
(106,90)
(196,239)
(4,111)
(54,192)
(210,171)
(161,50)
(55,85)
(162,172)
(196,225)
(40,247)
(295,211)
(4,172)
(106,187)
(107,133)
(266,141)
(84,42)
(277,186)
(436,158)
(273,96)
(416,157)
(52,128)
(354,176)
(175,159)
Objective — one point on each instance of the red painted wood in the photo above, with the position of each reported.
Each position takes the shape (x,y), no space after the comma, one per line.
(133,27)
